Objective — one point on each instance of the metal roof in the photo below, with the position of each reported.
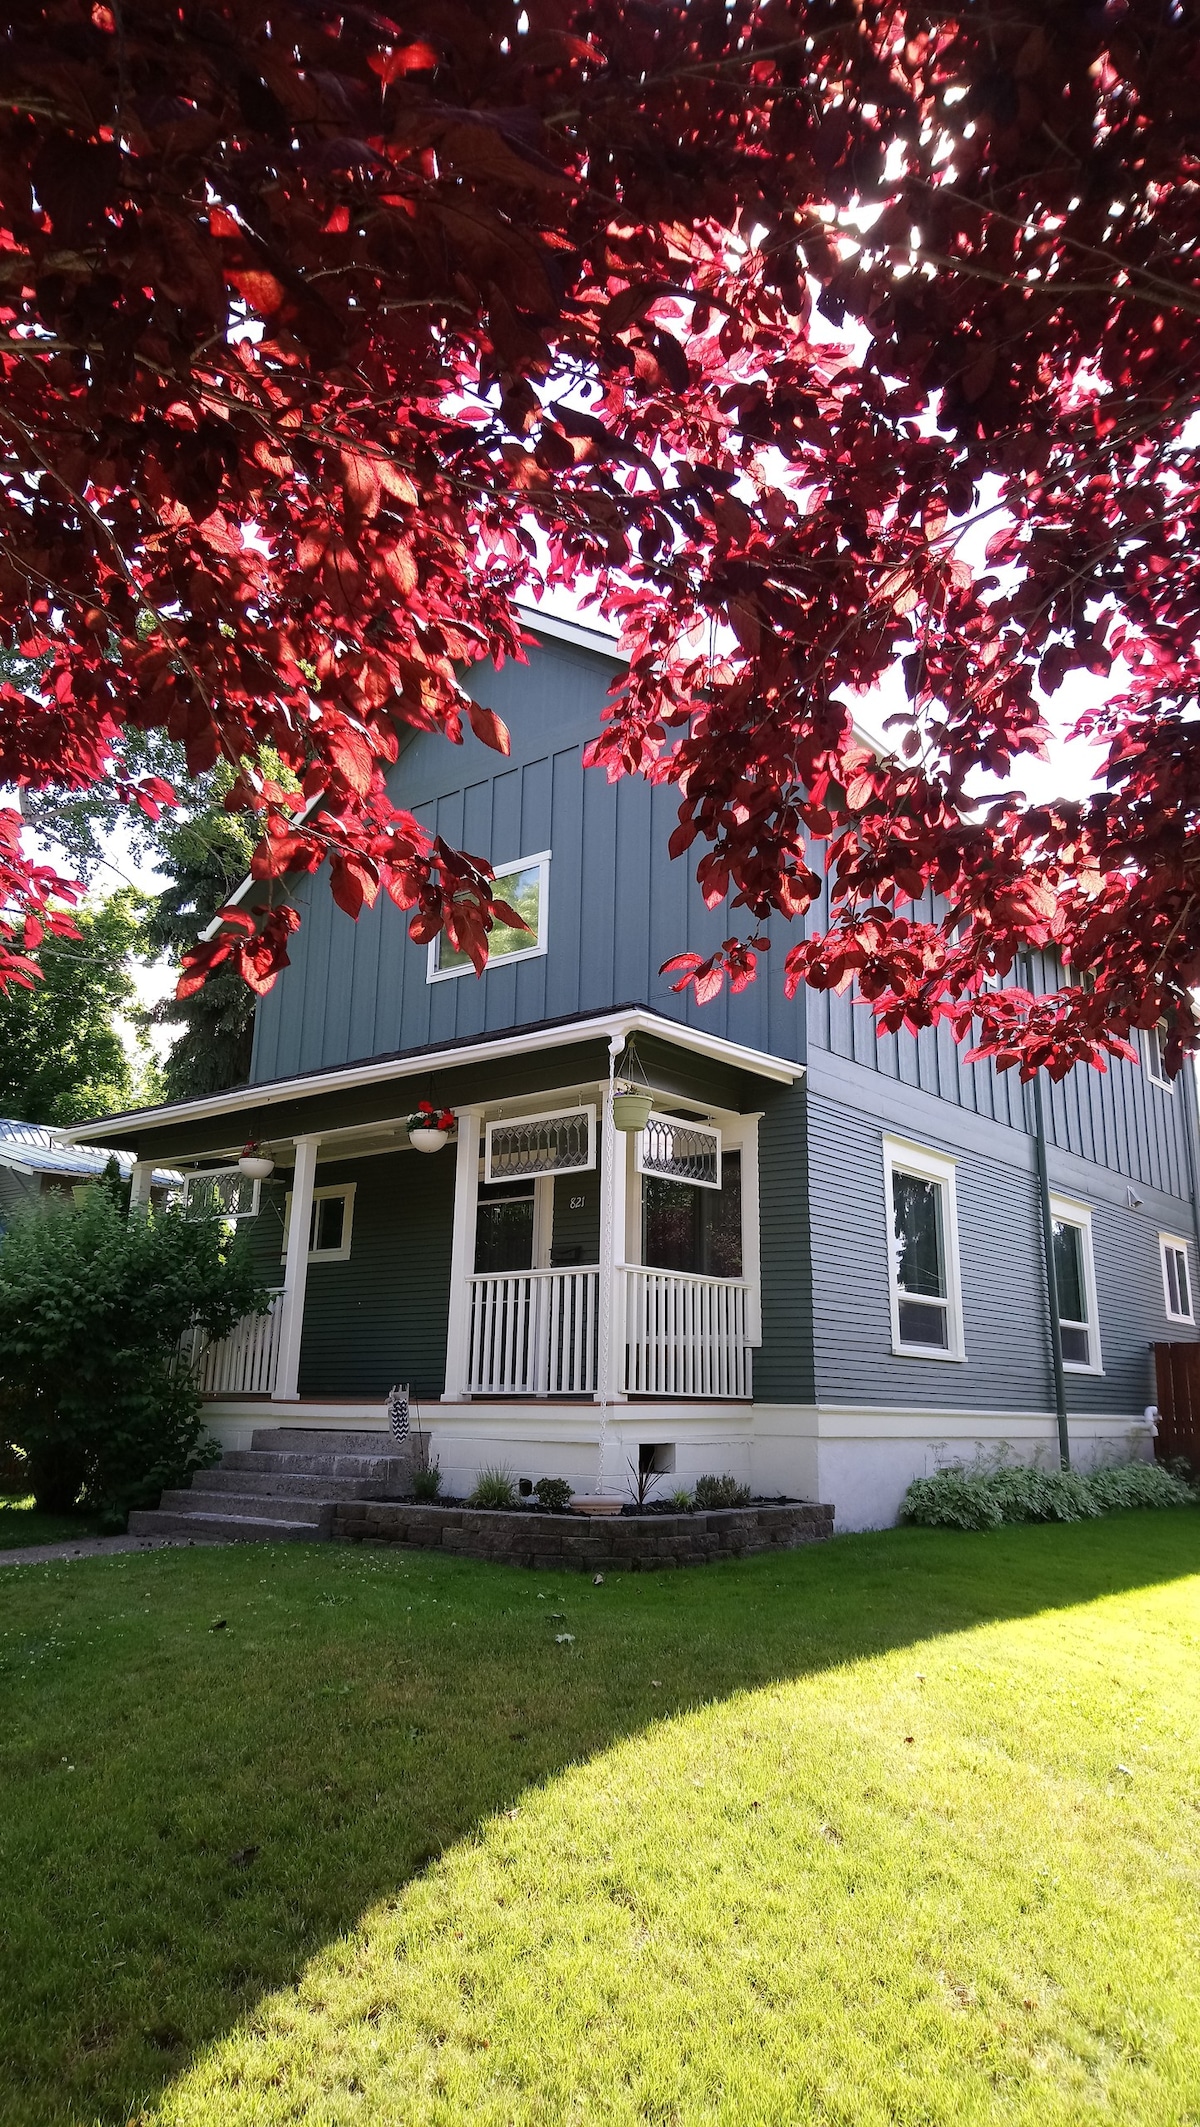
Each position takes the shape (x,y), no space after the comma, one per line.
(36,1148)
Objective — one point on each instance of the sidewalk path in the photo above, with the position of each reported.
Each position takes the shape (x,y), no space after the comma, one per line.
(100,1547)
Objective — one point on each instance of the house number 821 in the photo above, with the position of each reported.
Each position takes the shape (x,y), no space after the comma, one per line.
(577,1203)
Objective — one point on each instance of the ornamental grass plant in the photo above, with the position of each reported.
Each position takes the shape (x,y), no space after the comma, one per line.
(994,1490)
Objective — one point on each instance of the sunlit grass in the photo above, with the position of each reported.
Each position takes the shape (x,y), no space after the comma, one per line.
(21,1524)
(902,1830)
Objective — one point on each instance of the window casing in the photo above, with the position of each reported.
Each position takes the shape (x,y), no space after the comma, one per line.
(1177,1281)
(1152,1059)
(331,1224)
(923,1268)
(1075,1282)
(223,1190)
(524,884)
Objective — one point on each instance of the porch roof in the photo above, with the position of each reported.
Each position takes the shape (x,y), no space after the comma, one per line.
(540,1036)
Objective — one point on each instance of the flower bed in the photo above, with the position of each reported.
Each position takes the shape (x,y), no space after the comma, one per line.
(629,1542)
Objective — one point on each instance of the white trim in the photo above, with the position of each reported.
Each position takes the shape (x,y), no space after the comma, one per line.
(572,631)
(899,1156)
(1069,1212)
(295,1277)
(533,1040)
(700,1129)
(614,1183)
(462,1253)
(537,951)
(545,1115)
(324,1255)
(1176,1243)
(1152,1063)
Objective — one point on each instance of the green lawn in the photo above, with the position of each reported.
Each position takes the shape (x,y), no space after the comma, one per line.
(21,1524)
(902,1831)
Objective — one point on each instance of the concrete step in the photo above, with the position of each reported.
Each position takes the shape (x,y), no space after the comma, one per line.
(330,1440)
(258,1506)
(371,1469)
(231,1528)
(287,1484)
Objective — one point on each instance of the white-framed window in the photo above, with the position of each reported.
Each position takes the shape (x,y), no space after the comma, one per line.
(525,885)
(923,1273)
(682,1150)
(1075,1281)
(224,1190)
(330,1225)
(1177,1283)
(1153,1044)
(562,1142)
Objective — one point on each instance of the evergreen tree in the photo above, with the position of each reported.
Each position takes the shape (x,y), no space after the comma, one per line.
(207,855)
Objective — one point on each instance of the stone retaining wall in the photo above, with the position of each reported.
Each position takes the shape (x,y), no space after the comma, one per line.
(634,1543)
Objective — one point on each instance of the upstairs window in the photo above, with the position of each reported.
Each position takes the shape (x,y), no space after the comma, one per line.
(1154,1042)
(1177,1284)
(923,1253)
(1075,1281)
(523,884)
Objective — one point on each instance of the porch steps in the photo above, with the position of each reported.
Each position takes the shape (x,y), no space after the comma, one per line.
(285,1486)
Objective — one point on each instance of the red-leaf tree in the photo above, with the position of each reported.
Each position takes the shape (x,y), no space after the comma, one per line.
(326,330)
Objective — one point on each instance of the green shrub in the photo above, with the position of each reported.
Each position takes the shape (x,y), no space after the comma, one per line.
(989,1492)
(682,1500)
(1138,1484)
(495,1486)
(93,1306)
(721,1492)
(555,1493)
(428,1483)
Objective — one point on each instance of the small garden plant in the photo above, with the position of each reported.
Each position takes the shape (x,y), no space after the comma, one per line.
(495,1486)
(428,1483)
(988,1493)
(724,1491)
(554,1493)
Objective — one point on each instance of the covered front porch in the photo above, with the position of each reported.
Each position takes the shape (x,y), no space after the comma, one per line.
(545,1261)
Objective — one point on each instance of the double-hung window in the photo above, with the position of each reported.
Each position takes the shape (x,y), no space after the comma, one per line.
(923,1252)
(1154,1041)
(1075,1283)
(1177,1284)
(524,885)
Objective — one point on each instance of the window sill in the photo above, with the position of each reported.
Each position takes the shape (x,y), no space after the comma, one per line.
(451,974)
(1181,1321)
(1069,1367)
(926,1351)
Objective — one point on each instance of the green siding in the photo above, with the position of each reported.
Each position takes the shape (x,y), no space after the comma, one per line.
(380,1317)
(783,1368)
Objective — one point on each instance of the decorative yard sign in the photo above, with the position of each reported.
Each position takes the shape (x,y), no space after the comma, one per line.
(561,1143)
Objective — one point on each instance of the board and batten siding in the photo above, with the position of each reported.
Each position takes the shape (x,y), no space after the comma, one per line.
(618,906)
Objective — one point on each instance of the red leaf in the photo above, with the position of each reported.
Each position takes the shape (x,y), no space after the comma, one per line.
(489,727)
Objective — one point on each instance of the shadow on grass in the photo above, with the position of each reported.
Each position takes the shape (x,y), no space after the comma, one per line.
(212,1762)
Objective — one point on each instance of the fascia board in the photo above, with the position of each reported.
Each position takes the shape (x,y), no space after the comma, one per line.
(606,1025)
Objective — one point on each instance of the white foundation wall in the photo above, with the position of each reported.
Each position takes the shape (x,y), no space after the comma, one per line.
(858,1460)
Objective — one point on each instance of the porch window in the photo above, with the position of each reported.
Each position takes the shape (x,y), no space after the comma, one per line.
(1075,1283)
(524,885)
(923,1253)
(1177,1286)
(331,1223)
(694,1228)
(504,1228)
(223,1191)
(564,1143)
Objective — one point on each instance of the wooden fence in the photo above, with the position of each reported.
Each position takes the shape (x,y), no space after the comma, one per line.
(1177,1368)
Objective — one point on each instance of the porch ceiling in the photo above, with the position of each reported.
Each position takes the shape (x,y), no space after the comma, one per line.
(366,1100)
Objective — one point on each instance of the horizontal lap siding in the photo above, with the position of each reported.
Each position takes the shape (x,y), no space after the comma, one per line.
(618,906)
(783,1368)
(381,1316)
(1002,1282)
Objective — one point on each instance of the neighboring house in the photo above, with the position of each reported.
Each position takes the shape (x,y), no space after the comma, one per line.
(821,1267)
(37,1161)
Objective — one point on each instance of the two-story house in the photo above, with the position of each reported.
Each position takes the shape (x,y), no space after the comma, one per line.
(822,1265)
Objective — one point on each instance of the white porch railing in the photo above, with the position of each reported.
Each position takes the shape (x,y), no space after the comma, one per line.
(536,1333)
(533,1333)
(243,1363)
(685,1335)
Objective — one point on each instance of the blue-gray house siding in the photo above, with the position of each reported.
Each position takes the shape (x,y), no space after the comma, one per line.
(617,908)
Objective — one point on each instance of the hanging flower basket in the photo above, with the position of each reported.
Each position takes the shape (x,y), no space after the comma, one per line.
(631,1111)
(429,1127)
(255,1162)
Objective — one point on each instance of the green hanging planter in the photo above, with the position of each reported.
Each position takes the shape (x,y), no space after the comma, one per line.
(631,1111)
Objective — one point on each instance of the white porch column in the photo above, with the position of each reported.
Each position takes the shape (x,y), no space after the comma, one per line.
(462,1254)
(140,1180)
(295,1274)
(610,1359)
